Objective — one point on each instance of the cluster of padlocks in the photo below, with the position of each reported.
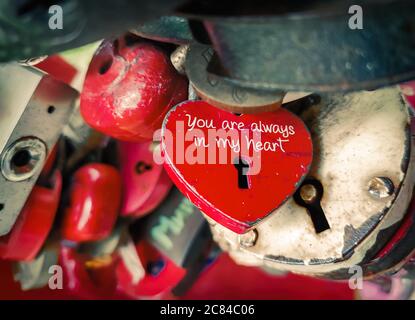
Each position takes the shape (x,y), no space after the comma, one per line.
(163,165)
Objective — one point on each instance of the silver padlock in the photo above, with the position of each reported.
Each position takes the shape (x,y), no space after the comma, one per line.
(33,111)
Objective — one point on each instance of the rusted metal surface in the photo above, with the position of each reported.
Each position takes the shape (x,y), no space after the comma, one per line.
(316,50)
(25,29)
(223,94)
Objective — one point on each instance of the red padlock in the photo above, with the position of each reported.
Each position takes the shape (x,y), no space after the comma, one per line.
(34,223)
(87,283)
(58,67)
(145,182)
(237,169)
(160,274)
(49,164)
(94,203)
(129,87)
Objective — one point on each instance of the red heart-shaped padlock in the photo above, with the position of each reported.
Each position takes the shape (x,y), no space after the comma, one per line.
(236,168)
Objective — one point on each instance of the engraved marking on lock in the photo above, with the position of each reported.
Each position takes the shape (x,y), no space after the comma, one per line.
(309,196)
(211,80)
(239,95)
(207,55)
(242,168)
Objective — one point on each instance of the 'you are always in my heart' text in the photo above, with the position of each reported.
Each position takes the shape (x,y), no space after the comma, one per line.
(227,134)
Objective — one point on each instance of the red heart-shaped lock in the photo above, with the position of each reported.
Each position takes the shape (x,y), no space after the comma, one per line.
(236,168)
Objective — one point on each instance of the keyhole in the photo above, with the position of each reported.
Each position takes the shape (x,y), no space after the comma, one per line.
(309,196)
(142,167)
(155,267)
(242,168)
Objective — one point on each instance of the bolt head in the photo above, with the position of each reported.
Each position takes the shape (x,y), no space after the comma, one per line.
(249,238)
(381,187)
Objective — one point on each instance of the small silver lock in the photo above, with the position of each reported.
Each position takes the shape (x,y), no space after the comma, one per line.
(34,109)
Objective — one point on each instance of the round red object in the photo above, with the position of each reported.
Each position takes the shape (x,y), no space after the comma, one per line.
(129,88)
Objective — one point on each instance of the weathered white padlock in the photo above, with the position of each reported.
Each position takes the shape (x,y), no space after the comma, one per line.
(358,192)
